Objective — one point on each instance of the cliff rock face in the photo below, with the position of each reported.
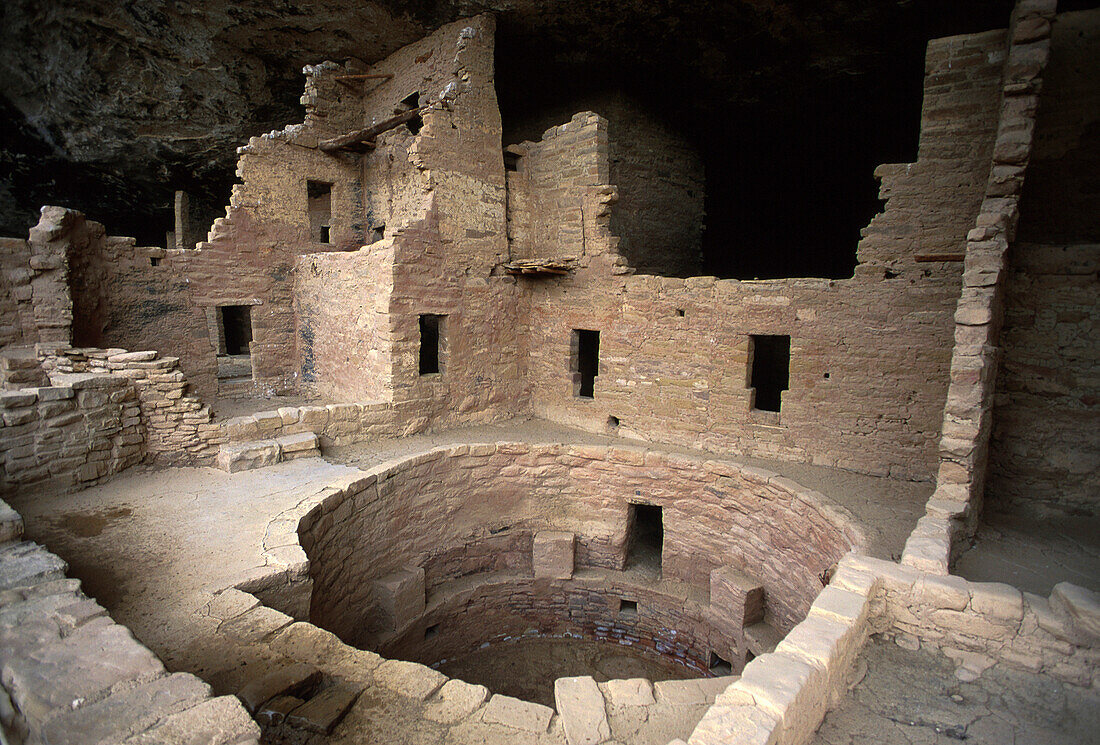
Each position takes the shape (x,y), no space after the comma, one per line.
(110,106)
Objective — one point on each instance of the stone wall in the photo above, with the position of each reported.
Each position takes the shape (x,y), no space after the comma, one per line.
(341,302)
(71,674)
(440,510)
(178,428)
(16,312)
(547,188)
(75,433)
(952,512)
(1045,449)
(675,354)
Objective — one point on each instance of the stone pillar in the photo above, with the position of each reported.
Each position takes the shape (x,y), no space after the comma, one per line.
(736,596)
(552,554)
(401,597)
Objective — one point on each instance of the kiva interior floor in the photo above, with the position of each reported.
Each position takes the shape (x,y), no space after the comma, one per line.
(528,666)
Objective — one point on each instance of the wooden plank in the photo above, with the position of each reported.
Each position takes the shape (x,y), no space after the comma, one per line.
(369,133)
(939,257)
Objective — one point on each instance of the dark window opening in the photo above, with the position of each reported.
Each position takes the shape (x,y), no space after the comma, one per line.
(628,608)
(154,261)
(749,657)
(431,631)
(613,422)
(511,161)
(645,537)
(377,233)
(237,328)
(718,666)
(431,337)
(585,362)
(771,363)
(409,103)
(319,197)
(680,312)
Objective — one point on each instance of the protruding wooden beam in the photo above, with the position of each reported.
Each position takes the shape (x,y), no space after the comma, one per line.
(365,136)
(926,258)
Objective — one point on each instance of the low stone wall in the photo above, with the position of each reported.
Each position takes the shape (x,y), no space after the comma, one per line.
(179,428)
(74,677)
(978,624)
(77,432)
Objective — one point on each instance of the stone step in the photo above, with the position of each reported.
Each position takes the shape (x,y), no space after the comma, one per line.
(762,638)
(246,456)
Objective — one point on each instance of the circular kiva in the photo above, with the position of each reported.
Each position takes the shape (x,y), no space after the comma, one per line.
(434,555)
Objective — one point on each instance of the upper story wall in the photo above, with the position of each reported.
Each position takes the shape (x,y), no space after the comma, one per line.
(869,357)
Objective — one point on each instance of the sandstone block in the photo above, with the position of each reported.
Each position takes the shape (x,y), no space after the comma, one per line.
(455,701)
(324,711)
(581,707)
(218,720)
(401,596)
(1080,608)
(298,680)
(628,692)
(409,679)
(552,554)
(736,596)
(517,714)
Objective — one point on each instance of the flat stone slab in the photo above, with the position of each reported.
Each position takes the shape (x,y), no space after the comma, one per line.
(126,713)
(291,680)
(245,456)
(26,563)
(325,710)
(581,707)
(216,721)
(455,701)
(410,679)
(517,714)
(628,692)
(303,441)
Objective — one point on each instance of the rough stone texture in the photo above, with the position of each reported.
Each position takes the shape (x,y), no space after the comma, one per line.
(75,677)
(458,498)
(552,554)
(581,708)
(517,714)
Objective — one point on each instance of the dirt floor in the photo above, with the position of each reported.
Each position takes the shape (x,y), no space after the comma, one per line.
(527,667)
(913,698)
(1034,554)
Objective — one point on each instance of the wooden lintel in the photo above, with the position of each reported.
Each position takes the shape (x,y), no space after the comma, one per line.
(363,136)
(925,258)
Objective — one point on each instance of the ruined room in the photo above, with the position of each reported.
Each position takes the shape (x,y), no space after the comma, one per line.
(550,373)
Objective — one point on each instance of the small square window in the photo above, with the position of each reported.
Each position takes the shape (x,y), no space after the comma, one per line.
(431,344)
(430,631)
(719,666)
(628,608)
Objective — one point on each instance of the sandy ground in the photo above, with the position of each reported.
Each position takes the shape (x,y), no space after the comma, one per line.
(913,698)
(1034,554)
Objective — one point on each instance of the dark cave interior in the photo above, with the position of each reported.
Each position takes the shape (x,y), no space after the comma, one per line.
(791,106)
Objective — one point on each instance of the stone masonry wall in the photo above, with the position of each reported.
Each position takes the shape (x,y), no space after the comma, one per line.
(1045,448)
(546,191)
(952,512)
(417,512)
(178,428)
(16,312)
(675,354)
(75,433)
(341,301)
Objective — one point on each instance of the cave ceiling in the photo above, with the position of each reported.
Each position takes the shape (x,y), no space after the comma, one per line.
(109,106)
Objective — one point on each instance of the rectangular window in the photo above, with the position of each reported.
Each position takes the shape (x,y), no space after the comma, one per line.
(645,537)
(408,103)
(319,197)
(236,328)
(628,608)
(431,344)
(377,233)
(585,362)
(771,364)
